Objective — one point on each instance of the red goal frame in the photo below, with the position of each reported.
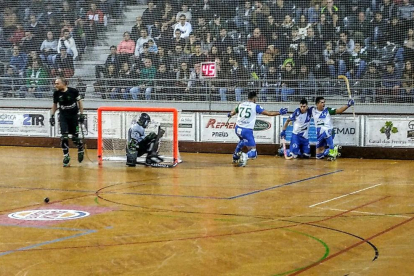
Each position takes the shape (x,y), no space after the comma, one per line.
(138,109)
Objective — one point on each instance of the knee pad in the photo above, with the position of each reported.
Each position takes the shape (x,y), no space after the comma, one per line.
(64,140)
(252,154)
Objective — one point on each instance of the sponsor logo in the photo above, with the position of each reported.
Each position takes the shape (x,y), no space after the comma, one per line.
(388,128)
(261,125)
(213,123)
(185,125)
(33,120)
(7,119)
(410,133)
(219,134)
(345,131)
(48,215)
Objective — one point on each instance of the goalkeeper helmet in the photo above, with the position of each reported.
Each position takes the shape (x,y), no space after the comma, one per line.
(144,120)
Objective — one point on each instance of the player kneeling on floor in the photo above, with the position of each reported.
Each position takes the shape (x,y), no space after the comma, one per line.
(139,143)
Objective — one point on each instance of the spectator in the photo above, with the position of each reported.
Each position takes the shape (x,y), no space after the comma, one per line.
(379,29)
(286,28)
(29,43)
(256,45)
(150,15)
(18,61)
(370,83)
(303,26)
(223,41)
(305,57)
(329,10)
(191,44)
(64,64)
(67,12)
(221,81)
(11,83)
(201,29)
(213,54)
(324,29)
(140,61)
(146,82)
(168,14)
(140,42)
(126,48)
(394,31)
(184,12)
(271,82)
(409,44)
(362,29)
(126,81)
(10,21)
(69,43)
(260,14)
(238,76)
(279,10)
(164,40)
(406,11)
(136,29)
(390,90)
(340,61)
(408,85)
(182,78)
(109,86)
(306,83)
(349,42)
(37,82)
(178,58)
(184,27)
(83,34)
(161,58)
(314,43)
(155,31)
(198,57)
(163,82)
(388,9)
(313,12)
(49,13)
(33,56)
(358,62)
(35,27)
(338,25)
(152,47)
(53,26)
(288,82)
(244,17)
(97,17)
(196,84)
(215,27)
(112,59)
(17,35)
(269,28)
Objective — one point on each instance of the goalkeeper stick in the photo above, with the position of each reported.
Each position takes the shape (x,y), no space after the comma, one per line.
(284,150)
(349,90)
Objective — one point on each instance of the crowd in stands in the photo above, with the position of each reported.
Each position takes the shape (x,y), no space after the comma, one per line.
(284,47)
(41,39)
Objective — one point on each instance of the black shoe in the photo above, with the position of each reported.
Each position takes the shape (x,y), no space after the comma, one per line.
(80,156)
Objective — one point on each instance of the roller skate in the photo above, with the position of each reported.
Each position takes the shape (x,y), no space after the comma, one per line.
(334,153)
(66,160)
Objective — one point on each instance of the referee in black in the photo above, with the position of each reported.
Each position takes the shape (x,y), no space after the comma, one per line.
(69,102)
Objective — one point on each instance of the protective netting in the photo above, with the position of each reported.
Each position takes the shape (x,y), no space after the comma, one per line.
(285,50)
(115,126)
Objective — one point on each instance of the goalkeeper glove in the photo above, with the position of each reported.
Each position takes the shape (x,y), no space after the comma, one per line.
(81,118)
(351,102)
(283,111)
(52,120)
(133,144)
(283,134)
(151,136)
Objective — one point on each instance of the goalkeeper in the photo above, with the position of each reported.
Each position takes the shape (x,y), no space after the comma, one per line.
(139,143)
(70,103)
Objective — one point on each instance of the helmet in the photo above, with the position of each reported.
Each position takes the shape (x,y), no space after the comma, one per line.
(144,120)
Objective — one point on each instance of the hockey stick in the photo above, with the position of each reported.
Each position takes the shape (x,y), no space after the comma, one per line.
(284,150)
(349,90)
(81,126)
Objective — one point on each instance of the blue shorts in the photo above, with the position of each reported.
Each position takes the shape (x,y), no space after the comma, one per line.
(299,145)
(246,134)
(325,139)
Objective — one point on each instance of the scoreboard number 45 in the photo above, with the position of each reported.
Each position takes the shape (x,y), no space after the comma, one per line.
(208,69)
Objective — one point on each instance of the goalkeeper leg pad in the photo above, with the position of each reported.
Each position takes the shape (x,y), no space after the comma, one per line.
(153,158)
(131,158)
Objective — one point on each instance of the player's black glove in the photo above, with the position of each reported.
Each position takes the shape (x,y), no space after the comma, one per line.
(52,120)
(81,118)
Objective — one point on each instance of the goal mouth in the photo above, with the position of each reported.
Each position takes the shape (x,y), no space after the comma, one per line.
(114,123)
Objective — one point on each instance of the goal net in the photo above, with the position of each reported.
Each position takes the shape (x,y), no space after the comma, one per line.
(114,123)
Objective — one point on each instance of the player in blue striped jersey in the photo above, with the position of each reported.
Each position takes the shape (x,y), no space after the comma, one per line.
(324,127)
(299,143)
(246,119)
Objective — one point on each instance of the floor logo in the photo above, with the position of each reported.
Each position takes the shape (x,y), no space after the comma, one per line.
(48,215)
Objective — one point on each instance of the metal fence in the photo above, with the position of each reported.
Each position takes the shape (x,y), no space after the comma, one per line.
(367,91)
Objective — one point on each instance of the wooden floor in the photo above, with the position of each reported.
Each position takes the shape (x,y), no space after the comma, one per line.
(205,217)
